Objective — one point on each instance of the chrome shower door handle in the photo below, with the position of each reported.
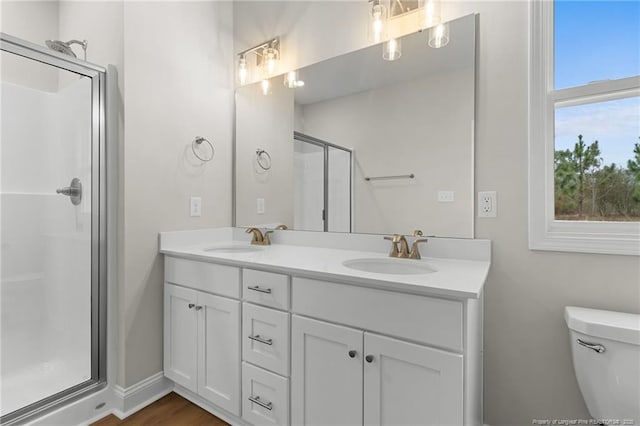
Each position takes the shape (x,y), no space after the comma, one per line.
(73,191)
(593,346)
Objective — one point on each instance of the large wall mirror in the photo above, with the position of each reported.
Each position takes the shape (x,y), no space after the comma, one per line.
(364,144)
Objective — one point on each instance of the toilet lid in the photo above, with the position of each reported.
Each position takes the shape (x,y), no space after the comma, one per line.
(618,326)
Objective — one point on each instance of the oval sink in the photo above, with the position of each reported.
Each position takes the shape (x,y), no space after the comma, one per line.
(232,249)
(389,266)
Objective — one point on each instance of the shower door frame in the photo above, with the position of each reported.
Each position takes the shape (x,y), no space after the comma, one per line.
(97,74)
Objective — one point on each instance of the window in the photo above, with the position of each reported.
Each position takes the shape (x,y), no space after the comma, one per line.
(584,132)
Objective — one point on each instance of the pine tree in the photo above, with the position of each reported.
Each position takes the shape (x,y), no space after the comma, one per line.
(634,169)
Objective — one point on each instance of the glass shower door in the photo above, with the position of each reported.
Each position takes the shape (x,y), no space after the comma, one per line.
(322,185)
(48,233)
(308,186)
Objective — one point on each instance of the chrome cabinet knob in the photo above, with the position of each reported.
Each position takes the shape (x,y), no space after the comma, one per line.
(369,358)
(352,354)
(191,305)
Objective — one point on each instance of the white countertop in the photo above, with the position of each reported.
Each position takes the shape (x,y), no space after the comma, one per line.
(454,278)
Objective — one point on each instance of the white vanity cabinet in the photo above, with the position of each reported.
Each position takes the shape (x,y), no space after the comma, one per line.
(362,373)
(326,373)
(274,347)
(265,347)
(340,374)
(202,336)
(409,384)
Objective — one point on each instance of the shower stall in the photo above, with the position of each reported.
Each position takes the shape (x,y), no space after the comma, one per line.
(52,229)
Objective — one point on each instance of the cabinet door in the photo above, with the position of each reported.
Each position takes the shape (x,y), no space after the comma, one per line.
(181,336)
(326,381)
(408,384)
(219,351)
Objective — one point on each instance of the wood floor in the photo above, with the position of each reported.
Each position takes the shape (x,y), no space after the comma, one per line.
(168,411)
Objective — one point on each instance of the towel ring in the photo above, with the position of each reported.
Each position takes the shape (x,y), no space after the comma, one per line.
(198,141)
(263,158)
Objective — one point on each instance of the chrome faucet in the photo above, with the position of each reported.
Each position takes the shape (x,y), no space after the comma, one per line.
(259,239)
(400,246)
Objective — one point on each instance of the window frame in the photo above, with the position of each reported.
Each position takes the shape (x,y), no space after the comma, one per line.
(546,233)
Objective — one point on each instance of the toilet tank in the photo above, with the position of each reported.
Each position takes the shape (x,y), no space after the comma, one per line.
(605,347)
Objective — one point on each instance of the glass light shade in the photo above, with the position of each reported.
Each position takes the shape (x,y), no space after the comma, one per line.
(243,71)
(439,36)
(265,86)
(291,80)
(392,49)
(377,21)
(271,60)
(430,13)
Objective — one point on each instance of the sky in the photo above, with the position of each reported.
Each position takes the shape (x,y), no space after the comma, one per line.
(598,40)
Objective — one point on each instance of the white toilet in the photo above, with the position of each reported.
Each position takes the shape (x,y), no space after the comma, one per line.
(605,347)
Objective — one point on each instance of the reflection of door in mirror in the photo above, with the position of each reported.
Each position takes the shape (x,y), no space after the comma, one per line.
(322,185)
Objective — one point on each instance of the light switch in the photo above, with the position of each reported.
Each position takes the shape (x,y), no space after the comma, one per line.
(260,205)
(196,206)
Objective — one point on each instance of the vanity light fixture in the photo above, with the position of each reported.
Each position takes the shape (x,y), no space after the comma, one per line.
(377,20)
(270,60)
(292,81)
(243,71)
(439,35)
(392,49)
(267,59)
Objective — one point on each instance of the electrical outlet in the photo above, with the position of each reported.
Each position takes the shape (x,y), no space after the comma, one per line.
(196,206)
(260,205)
(446,197)
(487,204)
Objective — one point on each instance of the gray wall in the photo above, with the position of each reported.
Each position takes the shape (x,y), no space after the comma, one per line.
(527,368)
(396,130)
(178,79)
(266,123)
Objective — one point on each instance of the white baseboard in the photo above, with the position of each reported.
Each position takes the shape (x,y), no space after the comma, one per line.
(134,398)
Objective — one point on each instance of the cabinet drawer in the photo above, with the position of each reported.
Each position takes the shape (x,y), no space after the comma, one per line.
(266,288)
(265,397)
(436,322)
(209,277)
(265,338)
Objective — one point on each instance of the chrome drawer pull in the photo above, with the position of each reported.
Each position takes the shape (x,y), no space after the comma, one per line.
(593,346)
(257,400)
(261,290)
(257,338)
